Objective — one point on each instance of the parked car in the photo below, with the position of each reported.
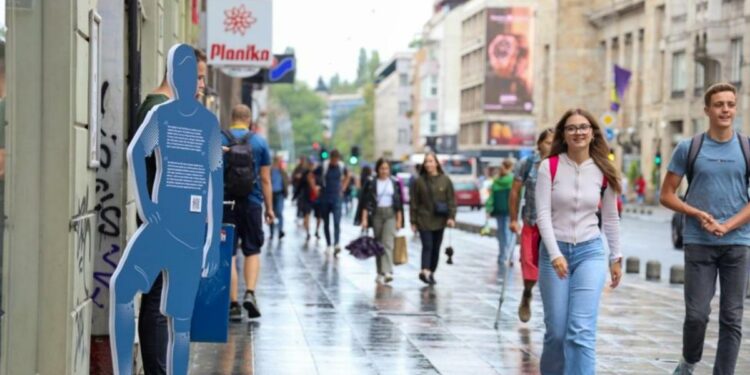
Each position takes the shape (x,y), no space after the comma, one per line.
(678,223)
(467,194)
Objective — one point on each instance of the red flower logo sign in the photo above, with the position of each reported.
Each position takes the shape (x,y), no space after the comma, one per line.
(238,20)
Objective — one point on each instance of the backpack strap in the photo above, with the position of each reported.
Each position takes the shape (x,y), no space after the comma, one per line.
(695,147)
(554,161)
(745,145)
(230,137)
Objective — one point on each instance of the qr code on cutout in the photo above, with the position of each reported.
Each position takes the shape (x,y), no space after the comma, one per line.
(196,203)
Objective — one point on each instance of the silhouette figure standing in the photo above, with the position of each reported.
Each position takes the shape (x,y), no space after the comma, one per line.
(180,237)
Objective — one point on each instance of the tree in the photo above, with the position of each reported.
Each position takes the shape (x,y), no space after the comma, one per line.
(305,110)
(363,75)
(373,65)
(358,128)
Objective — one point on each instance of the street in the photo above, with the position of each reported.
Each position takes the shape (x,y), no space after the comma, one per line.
(326,315)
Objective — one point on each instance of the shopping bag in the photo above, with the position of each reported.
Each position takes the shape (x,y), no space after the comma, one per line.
(400,253)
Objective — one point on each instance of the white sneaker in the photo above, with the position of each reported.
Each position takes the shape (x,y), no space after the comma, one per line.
(336,250)
(388,277)
(684,368)
(380,279)
(329,249)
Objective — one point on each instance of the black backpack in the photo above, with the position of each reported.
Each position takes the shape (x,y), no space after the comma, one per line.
(239,166)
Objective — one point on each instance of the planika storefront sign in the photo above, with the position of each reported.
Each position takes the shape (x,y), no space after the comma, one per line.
(239,33)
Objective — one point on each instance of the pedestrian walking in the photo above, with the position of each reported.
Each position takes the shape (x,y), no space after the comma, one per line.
(640,189)
(573,265)
(497,207)
(716,233)
(332,183)
(298,182)
(280,188)
(304,194)
(432,207)
(384,212)
(525,177)
(247,212)
(365,177)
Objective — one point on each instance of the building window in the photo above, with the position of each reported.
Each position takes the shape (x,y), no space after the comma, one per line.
(433,85)
(735,74)
(679,81)
(700,78)
(403,79)
(403,108)
(433,122)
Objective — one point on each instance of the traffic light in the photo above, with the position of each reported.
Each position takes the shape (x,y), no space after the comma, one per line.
(354,155)
(324,154)
(611,155)
(657,159)
(316,146)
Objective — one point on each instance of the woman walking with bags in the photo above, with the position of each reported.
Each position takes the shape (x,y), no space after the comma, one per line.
(383,210)
(432,207)
(573,264)
(525,177)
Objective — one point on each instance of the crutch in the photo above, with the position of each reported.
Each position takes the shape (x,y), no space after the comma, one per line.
(503,267)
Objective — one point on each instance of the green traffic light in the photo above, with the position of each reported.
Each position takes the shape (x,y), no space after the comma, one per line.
(353,160)
(324,155)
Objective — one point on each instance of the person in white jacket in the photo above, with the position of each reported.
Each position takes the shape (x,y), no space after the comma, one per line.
(572,184)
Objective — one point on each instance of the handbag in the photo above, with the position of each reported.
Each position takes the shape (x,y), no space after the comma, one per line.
(400,253)
(439,208)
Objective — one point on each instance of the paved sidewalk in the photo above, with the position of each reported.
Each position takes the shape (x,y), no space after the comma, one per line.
(325,315)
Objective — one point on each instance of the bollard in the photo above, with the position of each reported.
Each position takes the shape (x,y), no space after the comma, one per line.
(633,265)
(677,274)
(653,270)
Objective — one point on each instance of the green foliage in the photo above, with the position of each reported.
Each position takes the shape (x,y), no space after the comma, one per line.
(305,110)
(358,128)
(634,171)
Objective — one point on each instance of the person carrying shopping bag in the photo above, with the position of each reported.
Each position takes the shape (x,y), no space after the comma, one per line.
(525,176)
(497,207)
(573,264)
(432,207)
(383,210)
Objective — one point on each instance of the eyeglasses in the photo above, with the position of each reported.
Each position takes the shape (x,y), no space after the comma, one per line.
(582,129)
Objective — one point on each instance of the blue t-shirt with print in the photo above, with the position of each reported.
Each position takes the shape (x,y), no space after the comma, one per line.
(261,155)
(718,187)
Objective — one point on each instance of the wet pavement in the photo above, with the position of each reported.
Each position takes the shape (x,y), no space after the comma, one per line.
(326,315)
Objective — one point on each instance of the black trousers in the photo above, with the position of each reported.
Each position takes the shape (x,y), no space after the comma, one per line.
(153,332)
(431,241)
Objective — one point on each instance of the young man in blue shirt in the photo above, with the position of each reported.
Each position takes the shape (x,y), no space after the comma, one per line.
(716,232)
(247,214)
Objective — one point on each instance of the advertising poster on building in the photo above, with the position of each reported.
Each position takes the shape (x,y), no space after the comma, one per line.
(519,133)
(239,33)
(508,83)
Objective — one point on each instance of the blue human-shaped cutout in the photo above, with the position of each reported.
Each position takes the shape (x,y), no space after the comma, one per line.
(182,220)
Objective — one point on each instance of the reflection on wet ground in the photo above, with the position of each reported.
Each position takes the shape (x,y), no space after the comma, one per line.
(323,315)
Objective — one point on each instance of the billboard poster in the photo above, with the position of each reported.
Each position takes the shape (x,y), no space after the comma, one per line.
(508,83)
(517,133)
(239,33)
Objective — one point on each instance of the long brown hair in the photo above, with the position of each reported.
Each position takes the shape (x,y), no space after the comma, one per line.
(598,148)
(423,170)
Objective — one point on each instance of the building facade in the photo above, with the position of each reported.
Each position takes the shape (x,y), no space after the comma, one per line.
(66,199)
(436,75)
(673,49)
(497,78)
(393,107)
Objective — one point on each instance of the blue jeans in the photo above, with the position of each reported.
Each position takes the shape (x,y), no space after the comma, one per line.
(505,237)
(328,208)
(571,308)
(278,210)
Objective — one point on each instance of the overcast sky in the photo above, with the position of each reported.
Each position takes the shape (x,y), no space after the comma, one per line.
(327,34)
